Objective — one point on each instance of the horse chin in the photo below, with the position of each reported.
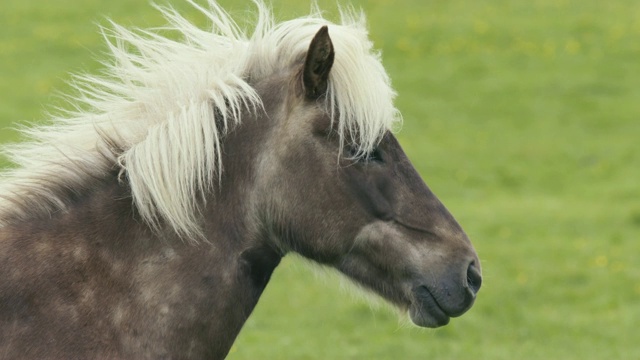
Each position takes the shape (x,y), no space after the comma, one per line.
(425,310)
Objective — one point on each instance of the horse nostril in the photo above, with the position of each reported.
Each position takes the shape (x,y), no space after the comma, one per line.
(474,279)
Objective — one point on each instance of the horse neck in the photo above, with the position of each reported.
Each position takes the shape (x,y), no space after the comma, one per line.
(154,287)
(238,259)
(225,275)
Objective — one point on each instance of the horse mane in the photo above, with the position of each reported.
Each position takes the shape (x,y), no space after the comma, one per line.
(158,114)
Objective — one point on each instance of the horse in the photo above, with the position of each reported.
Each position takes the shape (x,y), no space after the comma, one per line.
(146,221)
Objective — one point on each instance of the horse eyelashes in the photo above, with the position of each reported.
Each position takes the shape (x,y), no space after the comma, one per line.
(374,156)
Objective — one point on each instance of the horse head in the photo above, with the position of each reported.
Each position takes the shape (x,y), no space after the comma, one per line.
(364,211)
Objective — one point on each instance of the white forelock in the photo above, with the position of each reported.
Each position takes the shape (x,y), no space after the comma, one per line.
(157,112)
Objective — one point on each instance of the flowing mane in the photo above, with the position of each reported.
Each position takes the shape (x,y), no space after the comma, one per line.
(159,113)
(252,144)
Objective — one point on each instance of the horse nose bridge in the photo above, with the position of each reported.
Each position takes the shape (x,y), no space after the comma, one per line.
(423,210)
(454,243)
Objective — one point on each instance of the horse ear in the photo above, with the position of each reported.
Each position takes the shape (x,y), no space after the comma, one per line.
(319,60)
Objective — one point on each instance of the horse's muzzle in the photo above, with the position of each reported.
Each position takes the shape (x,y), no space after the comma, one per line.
(433,305)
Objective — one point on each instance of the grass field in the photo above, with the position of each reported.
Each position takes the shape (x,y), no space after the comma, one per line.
(524,117)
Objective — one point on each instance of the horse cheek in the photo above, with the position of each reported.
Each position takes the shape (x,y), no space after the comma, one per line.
(373,191)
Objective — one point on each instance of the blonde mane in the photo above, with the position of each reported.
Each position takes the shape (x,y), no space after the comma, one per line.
(159,114)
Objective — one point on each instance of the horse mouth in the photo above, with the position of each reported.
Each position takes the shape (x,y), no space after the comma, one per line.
(425,310)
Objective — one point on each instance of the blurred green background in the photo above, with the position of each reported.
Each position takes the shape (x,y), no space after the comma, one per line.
(523,116)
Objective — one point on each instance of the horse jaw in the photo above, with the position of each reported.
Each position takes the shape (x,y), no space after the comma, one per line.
(403,266)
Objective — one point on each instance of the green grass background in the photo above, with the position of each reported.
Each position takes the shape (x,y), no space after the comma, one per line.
(523,116)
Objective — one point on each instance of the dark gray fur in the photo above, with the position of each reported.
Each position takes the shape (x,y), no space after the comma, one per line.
(95,282)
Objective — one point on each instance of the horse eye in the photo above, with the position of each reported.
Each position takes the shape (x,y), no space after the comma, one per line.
(351,152)
(375,156)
